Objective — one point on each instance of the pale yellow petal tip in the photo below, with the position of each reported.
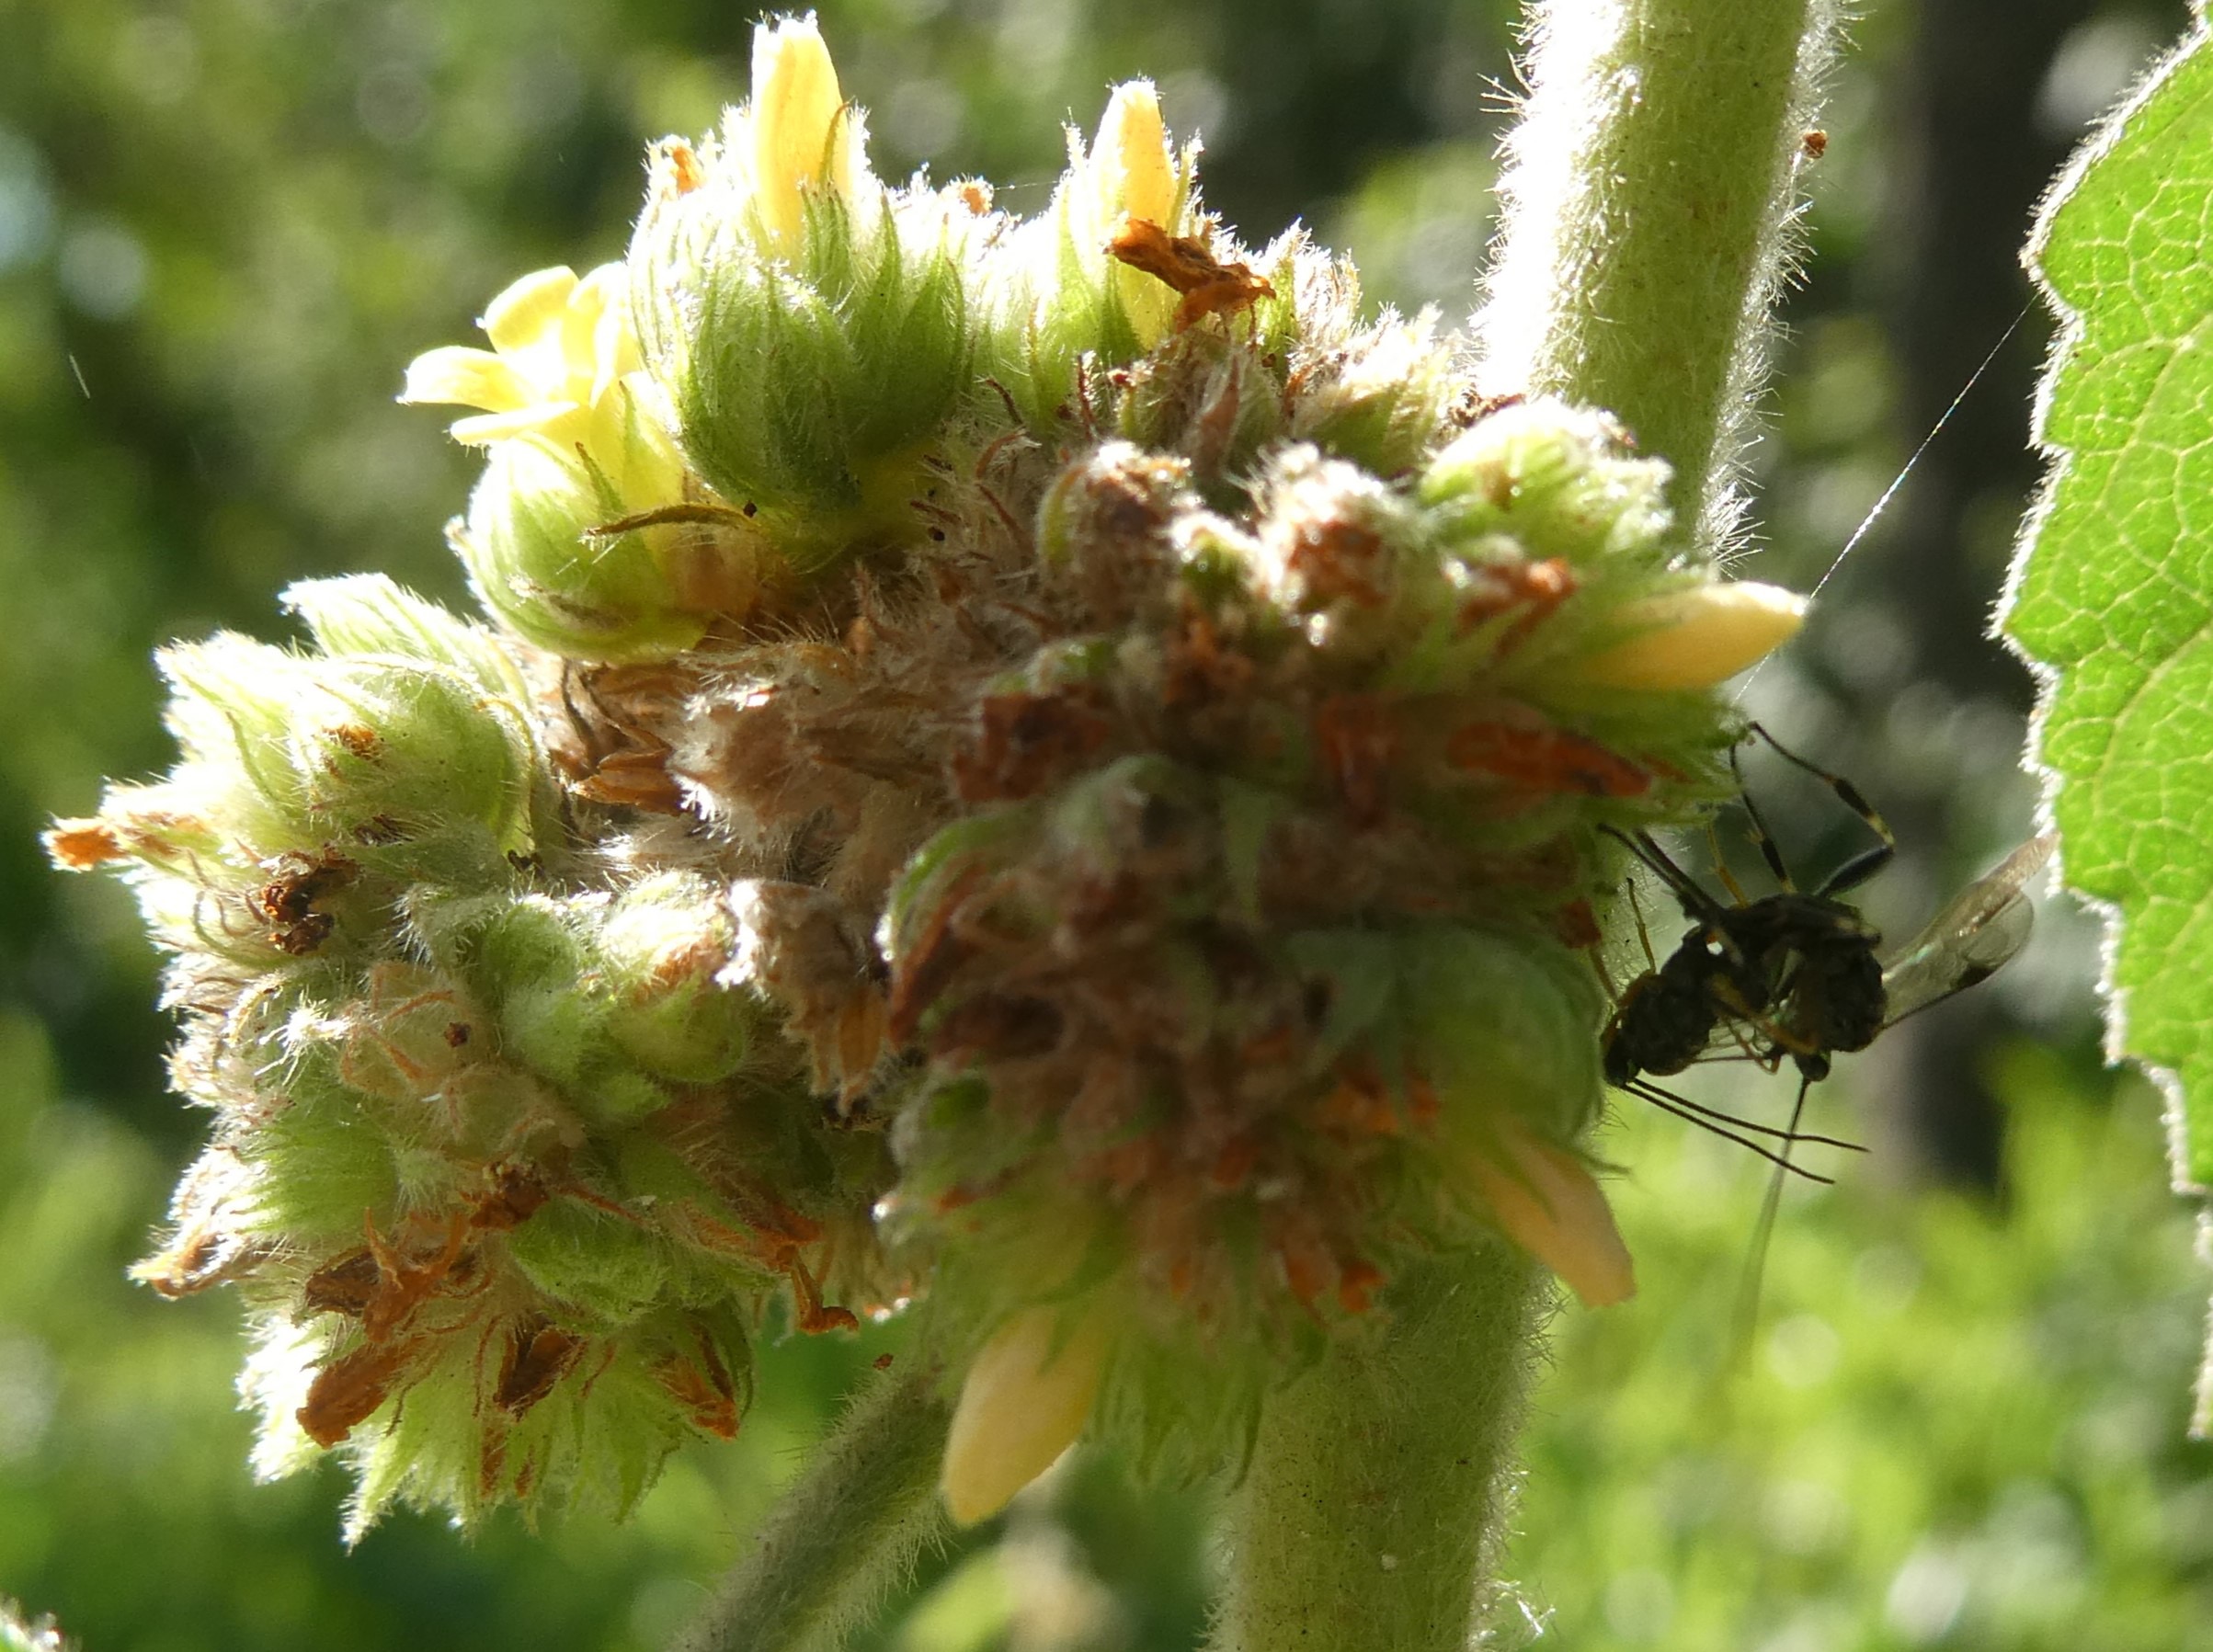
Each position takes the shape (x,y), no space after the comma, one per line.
(1697,638)
(1025,1400)
(1546,1201)
(527,306)
(1136,175)
(796,125)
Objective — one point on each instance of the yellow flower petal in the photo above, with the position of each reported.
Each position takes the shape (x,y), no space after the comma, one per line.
(468,378)
(1548,1203)
(532,420)
(527,309)
(1025,1400)
(600,336)
(796,106)
(1130,159)
(1696,638)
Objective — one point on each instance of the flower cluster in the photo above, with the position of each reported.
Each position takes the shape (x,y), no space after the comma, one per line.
(499,1161)
(1056,768)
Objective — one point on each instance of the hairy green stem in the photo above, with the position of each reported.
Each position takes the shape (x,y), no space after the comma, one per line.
(842,1536)
(1380,1480)
(1649,196)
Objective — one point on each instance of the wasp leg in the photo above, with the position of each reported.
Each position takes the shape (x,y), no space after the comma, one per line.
(1644,934)
(1696,903)
(1721,865)
(1867,862)
(1756,827)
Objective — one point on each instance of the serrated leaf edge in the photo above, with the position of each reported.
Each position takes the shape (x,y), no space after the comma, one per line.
(2059,462)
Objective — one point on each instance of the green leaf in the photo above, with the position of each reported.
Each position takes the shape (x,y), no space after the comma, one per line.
(2112,595)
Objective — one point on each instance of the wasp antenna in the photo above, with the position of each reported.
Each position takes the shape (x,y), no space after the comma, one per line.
(1684,1105)
(1780,1160)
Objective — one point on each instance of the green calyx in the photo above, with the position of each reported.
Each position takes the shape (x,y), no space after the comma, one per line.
(807,378)
(551,551)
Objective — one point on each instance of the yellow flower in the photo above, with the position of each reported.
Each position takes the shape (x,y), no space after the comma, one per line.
(563,373)
(797,137)
(560,350)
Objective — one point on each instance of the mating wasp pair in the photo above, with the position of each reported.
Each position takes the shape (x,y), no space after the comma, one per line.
(1797,975)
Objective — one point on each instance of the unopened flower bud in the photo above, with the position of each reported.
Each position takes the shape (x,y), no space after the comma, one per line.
(295,753)
(664,942)
(1502,1029)
(1204,395)
(1133,171)
(1546,1201)
(805,137)
(1555,478)
(1385,407)
(1131,176)
(1058,292)
(1106,526)
(1695,638)
(538,546)
(1340,552)
(1026,1397)
(808,328)
(366,615)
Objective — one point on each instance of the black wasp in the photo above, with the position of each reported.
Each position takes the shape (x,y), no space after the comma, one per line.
(1799,975)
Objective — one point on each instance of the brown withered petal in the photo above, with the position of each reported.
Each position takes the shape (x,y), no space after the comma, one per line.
(81,845)
(1187,264)
(201,1260)
(538,1355)
(517,1193)
(344,1286)
(347,1391)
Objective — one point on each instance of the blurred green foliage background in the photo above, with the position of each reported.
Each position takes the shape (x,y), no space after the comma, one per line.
(226,224)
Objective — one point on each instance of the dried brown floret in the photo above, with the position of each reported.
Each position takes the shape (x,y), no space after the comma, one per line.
(537,1354)
(1187,262)
(349,1390)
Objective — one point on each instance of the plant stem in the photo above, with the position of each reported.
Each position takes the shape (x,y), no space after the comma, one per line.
(1379,1481)
(1648,200)
(844,1534)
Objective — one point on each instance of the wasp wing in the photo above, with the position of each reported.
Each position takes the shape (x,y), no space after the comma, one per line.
(1974,934)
